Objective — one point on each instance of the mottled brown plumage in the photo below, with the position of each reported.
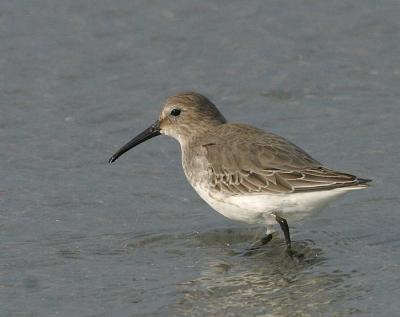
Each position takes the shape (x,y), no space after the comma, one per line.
(242,159)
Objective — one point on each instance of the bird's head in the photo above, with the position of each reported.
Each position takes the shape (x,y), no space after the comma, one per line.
(182,116)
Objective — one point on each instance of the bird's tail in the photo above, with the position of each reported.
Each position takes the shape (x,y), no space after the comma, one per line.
(364,182)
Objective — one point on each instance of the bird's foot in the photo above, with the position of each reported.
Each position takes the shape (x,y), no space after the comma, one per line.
(294,255)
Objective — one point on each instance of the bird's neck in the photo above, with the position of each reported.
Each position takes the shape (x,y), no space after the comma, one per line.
(189,134)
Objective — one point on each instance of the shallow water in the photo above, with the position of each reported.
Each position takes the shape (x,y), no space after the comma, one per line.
(79,237)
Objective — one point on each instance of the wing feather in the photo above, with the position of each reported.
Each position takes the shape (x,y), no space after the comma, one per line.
(260,162)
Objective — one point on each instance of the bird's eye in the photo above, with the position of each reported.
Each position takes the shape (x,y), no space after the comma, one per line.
(175,112)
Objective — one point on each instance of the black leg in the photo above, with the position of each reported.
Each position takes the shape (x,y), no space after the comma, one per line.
(285,228)
(258,244)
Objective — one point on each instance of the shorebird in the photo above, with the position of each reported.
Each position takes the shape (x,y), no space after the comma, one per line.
(242,172)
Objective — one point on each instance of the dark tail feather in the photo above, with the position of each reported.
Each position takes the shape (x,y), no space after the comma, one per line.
(363,181)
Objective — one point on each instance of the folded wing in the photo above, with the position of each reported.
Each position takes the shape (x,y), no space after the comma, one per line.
(260,162)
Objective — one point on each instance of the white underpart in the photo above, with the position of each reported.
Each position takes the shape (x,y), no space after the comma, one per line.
(260,208)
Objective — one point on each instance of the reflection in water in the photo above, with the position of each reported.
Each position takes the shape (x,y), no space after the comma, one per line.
(268,283)
(215,279)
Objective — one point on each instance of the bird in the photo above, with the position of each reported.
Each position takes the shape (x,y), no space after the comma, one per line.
(243,172)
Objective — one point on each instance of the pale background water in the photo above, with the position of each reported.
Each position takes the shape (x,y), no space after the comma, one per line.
(79,237)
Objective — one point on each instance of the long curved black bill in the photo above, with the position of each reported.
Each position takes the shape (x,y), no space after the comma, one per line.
(149,133)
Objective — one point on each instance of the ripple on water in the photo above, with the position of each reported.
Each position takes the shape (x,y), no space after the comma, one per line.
(221,281)
(266,283)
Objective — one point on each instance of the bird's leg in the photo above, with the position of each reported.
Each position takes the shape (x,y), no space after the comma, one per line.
(258,244)
(285,228)
(263,241)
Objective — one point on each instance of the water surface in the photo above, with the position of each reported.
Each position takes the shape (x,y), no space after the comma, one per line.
(79,237)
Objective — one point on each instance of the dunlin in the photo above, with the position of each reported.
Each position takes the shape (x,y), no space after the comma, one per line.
(242,172)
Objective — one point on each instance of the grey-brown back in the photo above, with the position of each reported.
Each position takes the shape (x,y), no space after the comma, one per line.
(241,159)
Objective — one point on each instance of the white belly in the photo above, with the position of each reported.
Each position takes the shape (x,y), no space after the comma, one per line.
(258,208)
